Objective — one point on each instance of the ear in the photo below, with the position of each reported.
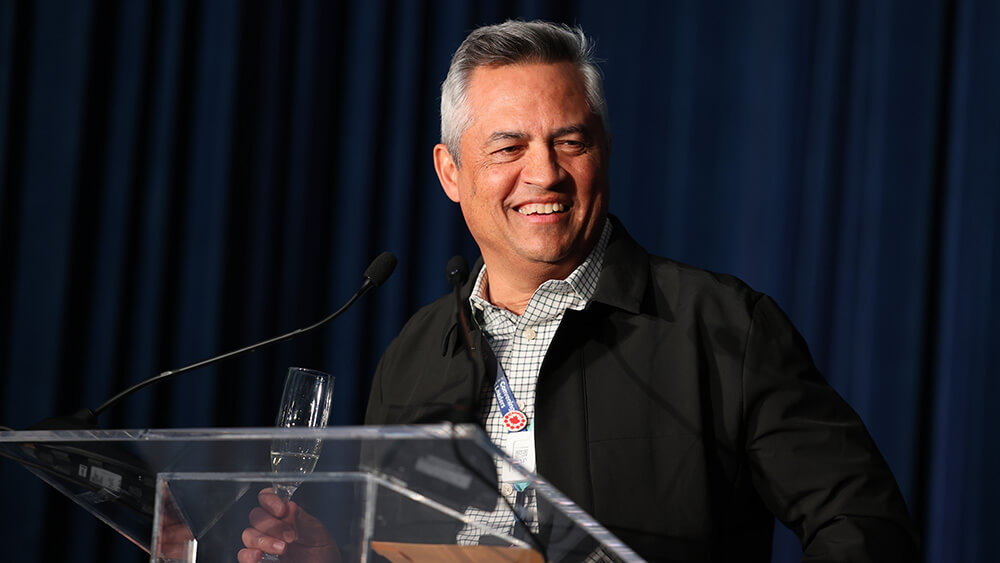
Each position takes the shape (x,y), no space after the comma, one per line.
(447,172)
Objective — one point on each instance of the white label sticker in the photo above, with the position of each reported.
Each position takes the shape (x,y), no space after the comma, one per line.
(105,478)
(521,447)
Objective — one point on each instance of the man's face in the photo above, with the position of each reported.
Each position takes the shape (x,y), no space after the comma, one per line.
(533,182)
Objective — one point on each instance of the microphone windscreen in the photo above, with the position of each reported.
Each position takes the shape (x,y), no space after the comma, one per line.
(457,270)
(381,268)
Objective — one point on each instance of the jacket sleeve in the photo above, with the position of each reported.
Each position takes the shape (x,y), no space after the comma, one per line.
(812,460)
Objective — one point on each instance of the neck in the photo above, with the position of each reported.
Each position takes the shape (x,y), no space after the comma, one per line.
(512,288)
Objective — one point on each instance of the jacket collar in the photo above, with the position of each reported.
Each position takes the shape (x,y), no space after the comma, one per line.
(625,273)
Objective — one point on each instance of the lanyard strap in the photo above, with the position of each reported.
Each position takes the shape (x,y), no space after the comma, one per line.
(514,418)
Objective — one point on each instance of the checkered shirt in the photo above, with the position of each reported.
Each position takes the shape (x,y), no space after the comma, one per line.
(519,344)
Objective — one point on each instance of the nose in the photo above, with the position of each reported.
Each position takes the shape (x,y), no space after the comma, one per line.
(542,167)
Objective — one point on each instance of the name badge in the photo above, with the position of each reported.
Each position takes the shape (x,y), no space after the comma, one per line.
(521,447)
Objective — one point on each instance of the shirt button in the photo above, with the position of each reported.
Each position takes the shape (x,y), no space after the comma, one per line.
(507,489)
(530,333)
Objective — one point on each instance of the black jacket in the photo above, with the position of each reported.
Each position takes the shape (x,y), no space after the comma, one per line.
(682,410)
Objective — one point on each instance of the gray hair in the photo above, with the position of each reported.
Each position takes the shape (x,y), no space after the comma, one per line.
(508,43)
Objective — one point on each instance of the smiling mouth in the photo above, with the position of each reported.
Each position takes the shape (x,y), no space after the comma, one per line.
(541,208)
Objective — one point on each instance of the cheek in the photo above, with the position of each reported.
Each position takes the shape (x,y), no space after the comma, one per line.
(492,185)
(588,181)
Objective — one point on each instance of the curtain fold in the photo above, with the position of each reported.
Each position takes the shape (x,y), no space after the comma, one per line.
(179,179)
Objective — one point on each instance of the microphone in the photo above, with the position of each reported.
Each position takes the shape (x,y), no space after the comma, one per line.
(457,273)
(375,275)
(377,272)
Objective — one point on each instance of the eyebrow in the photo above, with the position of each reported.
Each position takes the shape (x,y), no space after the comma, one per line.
(571,129)
(505,136)
(561,132)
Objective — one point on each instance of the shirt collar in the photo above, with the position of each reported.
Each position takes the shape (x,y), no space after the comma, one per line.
(582,281)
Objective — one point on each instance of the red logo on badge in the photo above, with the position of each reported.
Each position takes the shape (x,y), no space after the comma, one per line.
(515,421)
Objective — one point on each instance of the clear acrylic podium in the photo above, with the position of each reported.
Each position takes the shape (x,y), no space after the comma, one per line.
(392,493)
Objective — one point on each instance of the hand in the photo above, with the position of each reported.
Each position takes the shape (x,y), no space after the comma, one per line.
(283,528)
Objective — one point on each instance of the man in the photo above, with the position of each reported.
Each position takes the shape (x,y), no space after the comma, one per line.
(679,407)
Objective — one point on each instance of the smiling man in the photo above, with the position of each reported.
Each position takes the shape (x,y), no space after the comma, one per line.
(679,407)
(530,173)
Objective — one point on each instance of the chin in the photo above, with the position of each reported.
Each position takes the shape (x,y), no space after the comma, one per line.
(556,259)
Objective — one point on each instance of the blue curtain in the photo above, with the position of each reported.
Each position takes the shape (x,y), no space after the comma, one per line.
(179,179)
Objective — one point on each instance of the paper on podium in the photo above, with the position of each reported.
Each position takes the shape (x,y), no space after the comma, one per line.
(444,553)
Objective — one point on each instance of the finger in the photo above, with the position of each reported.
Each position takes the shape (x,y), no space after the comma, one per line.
(271,526)
(248,555)
(308,529)
(272,503)
(254,539)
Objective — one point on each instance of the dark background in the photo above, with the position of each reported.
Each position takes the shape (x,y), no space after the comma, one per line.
(180,178)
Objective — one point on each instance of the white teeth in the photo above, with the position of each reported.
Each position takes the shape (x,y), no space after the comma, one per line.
(541,208)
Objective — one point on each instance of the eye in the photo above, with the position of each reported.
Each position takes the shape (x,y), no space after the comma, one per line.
(508,152)
(571,146)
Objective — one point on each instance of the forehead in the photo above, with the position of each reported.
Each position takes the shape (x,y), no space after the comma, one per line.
(528,96)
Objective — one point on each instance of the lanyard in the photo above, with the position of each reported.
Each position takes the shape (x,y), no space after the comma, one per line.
(521,446)
(514,418)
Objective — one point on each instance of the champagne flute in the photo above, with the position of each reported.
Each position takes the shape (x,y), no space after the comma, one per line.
(305,402)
